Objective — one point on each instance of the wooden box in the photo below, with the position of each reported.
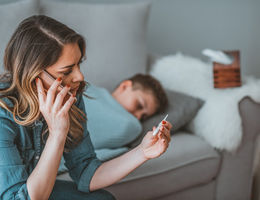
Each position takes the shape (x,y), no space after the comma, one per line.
(226,76)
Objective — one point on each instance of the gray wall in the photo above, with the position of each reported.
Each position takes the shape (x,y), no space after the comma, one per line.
(192,25)
(189,26)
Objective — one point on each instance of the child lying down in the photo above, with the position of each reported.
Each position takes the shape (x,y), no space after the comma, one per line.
(114,119)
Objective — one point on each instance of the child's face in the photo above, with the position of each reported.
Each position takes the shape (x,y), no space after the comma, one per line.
(67,67)
(140,103)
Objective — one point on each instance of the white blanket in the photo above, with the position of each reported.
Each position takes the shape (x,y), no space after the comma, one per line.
(218,121)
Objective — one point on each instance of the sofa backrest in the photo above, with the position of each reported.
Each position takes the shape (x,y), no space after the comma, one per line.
(11,14)
(115,34)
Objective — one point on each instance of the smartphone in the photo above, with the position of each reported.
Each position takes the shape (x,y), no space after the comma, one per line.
(159,126)
(47,80)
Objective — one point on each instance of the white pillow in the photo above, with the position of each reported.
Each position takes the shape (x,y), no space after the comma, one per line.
(185,74)
(218,121)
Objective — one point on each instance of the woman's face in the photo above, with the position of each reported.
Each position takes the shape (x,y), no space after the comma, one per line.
(68,67)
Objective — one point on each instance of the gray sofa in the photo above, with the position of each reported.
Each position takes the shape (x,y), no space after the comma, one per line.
(192,169)
(116,39)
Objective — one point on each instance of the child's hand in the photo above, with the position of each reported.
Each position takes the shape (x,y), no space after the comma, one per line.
(154,146)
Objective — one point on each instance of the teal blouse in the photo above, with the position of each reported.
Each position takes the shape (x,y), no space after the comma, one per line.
(21,148)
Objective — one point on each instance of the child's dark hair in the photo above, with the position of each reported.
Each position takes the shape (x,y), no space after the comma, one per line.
(148,83)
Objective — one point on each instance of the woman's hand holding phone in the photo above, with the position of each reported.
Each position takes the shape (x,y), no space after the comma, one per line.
(52,108)
(47,80)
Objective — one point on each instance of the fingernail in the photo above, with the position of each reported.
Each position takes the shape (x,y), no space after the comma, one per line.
(59,79)
(163,122)
(37,79)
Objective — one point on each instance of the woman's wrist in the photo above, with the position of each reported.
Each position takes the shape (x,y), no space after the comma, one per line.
(58,138)
(141,152)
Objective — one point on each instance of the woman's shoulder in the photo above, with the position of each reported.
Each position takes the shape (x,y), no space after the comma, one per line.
(9,128)
(5,80)
(5,115)
(4,84)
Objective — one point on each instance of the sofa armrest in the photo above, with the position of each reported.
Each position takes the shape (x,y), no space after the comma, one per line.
(235,177)
(249,111)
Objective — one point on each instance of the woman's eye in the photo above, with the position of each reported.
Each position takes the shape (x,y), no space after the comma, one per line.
(67,73)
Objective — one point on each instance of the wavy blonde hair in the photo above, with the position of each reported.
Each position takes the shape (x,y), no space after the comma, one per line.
(37,43)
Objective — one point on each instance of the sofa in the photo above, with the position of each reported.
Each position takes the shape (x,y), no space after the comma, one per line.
(116,49)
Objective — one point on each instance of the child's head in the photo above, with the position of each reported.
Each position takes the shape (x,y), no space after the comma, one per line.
(142,95)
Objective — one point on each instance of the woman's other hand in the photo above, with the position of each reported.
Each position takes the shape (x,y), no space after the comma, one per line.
(154,146)
(51,106)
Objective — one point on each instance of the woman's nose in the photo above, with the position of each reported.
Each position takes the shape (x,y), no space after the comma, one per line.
(78,76)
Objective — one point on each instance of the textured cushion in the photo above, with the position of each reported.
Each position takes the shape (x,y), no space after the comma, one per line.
(181,110)
(11,14)
(115,35)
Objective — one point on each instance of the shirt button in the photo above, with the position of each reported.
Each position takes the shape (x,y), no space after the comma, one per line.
(37,157)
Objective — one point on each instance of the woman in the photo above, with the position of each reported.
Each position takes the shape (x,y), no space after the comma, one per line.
(39,124)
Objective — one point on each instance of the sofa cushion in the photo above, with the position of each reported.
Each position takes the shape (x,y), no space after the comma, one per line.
(115,35)
(181,110)
(189,161)
(11,14)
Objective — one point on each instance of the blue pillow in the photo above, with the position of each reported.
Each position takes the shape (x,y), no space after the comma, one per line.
(110,125)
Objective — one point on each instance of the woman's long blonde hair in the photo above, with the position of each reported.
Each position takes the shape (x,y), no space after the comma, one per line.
(36,44)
